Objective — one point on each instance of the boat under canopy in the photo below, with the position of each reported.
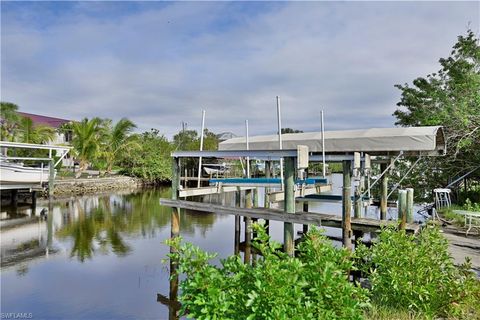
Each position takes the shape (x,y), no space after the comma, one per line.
(375,141)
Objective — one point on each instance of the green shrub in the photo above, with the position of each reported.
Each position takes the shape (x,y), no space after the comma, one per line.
(417,274)
(314,285)
(469,206)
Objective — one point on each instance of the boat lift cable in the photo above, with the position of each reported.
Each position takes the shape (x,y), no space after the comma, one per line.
(456,180)
(404,176)
(381,175)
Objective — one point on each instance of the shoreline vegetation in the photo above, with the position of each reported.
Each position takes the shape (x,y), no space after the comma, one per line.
(400,276)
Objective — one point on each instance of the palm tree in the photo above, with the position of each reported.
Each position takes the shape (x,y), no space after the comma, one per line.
(117,138)
(86,141)
(34,134)
(9,119)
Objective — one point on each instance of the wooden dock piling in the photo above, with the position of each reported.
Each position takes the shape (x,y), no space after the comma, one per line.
(347,205)
(51,178)
(248,227)
(409,205)
(14,198)
(237,224)
(384,193)
(34,202)
(174,232)
(305,209)
(266,203)
(289,204)
(402,208)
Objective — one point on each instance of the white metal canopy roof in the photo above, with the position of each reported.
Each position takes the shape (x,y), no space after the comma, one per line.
(414,140)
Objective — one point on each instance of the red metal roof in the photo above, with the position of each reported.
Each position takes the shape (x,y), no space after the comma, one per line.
(48,121)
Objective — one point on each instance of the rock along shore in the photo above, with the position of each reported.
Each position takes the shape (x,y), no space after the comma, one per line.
(94,185)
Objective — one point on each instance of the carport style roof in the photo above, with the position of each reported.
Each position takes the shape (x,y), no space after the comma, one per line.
(413,140)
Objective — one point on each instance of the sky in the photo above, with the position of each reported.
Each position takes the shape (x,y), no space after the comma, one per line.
(161,63)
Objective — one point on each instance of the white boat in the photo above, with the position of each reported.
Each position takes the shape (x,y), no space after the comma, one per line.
(17,173)
(215,168)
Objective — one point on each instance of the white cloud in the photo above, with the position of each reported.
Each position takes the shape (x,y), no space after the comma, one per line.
(162,63)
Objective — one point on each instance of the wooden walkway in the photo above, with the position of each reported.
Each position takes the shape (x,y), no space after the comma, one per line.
(318,219)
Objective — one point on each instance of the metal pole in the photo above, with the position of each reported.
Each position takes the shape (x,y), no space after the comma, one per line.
(323,144)
(248,144)
(201,149)
(280,144)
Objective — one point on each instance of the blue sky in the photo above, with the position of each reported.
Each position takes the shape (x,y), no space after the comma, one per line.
(160,63)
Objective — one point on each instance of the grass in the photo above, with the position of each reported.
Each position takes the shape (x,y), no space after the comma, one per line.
(382,313)
(449,215)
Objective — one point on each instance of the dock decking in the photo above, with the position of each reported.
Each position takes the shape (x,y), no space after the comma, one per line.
(318,219)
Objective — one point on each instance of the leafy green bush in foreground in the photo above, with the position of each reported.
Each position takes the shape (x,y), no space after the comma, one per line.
(313,285)
(409,276)
(417,274)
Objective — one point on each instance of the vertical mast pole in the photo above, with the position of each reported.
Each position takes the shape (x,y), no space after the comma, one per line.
(280,144)
(201,149)
(323,144)
(248,148)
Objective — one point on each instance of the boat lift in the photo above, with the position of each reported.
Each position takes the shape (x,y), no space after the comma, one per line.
(60,152)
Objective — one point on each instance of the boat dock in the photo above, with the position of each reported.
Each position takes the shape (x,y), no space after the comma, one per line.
(356,150)
(299,217)
(12,188)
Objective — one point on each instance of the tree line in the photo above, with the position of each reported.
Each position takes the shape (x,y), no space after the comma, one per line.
(104,145)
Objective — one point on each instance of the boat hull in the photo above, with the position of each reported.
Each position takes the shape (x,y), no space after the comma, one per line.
(13,174)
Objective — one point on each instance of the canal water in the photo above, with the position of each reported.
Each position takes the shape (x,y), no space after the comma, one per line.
(100,257)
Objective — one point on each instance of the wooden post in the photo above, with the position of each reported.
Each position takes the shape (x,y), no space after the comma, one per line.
(384,193)
(175,219)
(347,205)
(266,203)
(255,205)
(402,208)
(305,209)
(237,223)
(51,178)
(185,182)
(358,203)
(289,203)
(49,227)
(34,202)
(409,205)
(14,198)
(174,232)
(248,227)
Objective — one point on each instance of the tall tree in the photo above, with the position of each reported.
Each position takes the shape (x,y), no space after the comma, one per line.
(30,133)
(9,119)
(450,98)
(86,141)
(116,138)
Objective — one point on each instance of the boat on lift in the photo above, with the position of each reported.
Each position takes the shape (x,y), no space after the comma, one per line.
(216,168)
(18,173)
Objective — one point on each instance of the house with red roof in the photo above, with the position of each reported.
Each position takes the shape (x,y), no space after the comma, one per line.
(56,123)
